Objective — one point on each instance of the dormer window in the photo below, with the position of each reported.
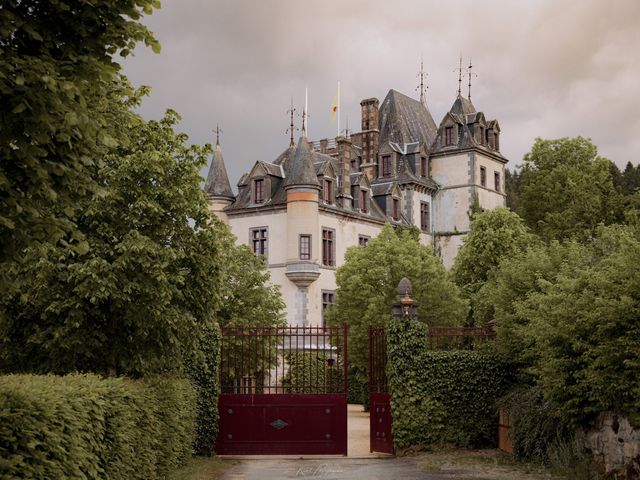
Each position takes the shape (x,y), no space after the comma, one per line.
(327,191)
(363,200)
(258,190)
(496,143)
(386,166)
(448,136)
(395,209)
(482,135)
(423,166)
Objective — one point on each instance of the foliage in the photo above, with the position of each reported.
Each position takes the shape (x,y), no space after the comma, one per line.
(513,187)
(309,372)
(441,396)
(139,294)
(82,426)
(57,63)
(536,423)
(495,235)
(358,390)
(567,189)
(567,313)
(367,283)
(205,375)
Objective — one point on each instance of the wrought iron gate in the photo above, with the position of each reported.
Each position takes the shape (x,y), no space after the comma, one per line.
(380,421)
(283,391)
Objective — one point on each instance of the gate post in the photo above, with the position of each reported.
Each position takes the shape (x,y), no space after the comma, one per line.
(406,307)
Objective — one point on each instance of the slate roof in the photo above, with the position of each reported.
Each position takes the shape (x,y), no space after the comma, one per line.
(462,106)
(217,184)
(405,120)
(300,171)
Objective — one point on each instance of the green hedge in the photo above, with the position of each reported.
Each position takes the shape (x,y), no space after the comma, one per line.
(84,426)
(441,396)
(205,373)
(308,370)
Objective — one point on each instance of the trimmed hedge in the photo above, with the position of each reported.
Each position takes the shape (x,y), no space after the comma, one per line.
(84,426)
(441,396)
(308,370)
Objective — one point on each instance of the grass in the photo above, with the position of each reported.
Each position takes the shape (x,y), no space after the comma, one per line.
(489,463)
(202,468)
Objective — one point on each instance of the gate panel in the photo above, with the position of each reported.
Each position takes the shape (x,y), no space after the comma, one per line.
(380,420)
(283,391)
(282,424)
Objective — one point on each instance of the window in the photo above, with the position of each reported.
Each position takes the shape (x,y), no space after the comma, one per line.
(328,299)
(423,166)
(354,165)
(448,136)
(328,247)
(304,247)
(483,176)
(327,193)
(259,241)
(395,208)
(363,201)
(496,143)
(386,166)
(363,240)
(425,223)
(482,135)
(496,181)
(258,191)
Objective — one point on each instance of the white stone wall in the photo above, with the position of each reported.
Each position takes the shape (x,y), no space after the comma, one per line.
(614,442)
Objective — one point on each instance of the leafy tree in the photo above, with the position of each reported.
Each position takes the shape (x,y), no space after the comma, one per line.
(137,292)
(495,234)
(567,189)
(57,62)
(513,187)
(367,283)
(630,179)
(585,326)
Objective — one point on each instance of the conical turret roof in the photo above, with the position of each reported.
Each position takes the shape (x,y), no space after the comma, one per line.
(300,168)
(217,184)
(462,106)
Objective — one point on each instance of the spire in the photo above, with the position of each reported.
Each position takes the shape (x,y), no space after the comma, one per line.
(217,184)
(291,128)
(470,74)
(422,87)
(301,171)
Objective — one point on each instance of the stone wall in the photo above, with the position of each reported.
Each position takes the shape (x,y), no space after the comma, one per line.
(615,444)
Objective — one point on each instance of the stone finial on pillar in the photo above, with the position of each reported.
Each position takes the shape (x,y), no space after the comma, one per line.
(406,307)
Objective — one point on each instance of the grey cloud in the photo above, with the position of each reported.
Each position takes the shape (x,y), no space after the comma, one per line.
(545,68)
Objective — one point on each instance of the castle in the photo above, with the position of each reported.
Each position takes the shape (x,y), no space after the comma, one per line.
(304,209)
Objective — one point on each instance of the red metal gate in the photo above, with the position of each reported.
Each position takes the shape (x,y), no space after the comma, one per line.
(380,421)
(283,391)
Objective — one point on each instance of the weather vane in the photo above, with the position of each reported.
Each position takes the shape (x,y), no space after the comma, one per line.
(422,87)
(218,131)
(459,70)
(470,75)
(292,127)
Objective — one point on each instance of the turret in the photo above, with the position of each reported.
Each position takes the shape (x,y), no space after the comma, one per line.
(302,190)
(217,186)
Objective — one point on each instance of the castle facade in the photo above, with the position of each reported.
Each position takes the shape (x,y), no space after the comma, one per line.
(303,210)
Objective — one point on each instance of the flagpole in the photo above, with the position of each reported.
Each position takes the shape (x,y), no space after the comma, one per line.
(338,109)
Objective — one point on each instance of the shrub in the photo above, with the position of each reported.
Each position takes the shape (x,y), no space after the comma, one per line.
(309,373)
(441,396)
(83,426)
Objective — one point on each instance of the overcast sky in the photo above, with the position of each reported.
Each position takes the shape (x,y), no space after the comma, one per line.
(546,68)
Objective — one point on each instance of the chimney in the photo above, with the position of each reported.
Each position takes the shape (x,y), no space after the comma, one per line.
(370,114)
(344,154)
(323,145)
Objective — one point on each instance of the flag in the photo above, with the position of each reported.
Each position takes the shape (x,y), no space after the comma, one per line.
(335,105)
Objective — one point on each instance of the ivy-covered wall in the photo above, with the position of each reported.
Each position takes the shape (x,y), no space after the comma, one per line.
(441,396)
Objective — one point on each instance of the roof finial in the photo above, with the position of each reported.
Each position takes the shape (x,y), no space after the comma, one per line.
(459,70)
(422,87)
(218,131)
(470,75)
(304,116)
(292,127)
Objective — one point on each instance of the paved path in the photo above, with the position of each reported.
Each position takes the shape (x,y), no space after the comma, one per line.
(332,469)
